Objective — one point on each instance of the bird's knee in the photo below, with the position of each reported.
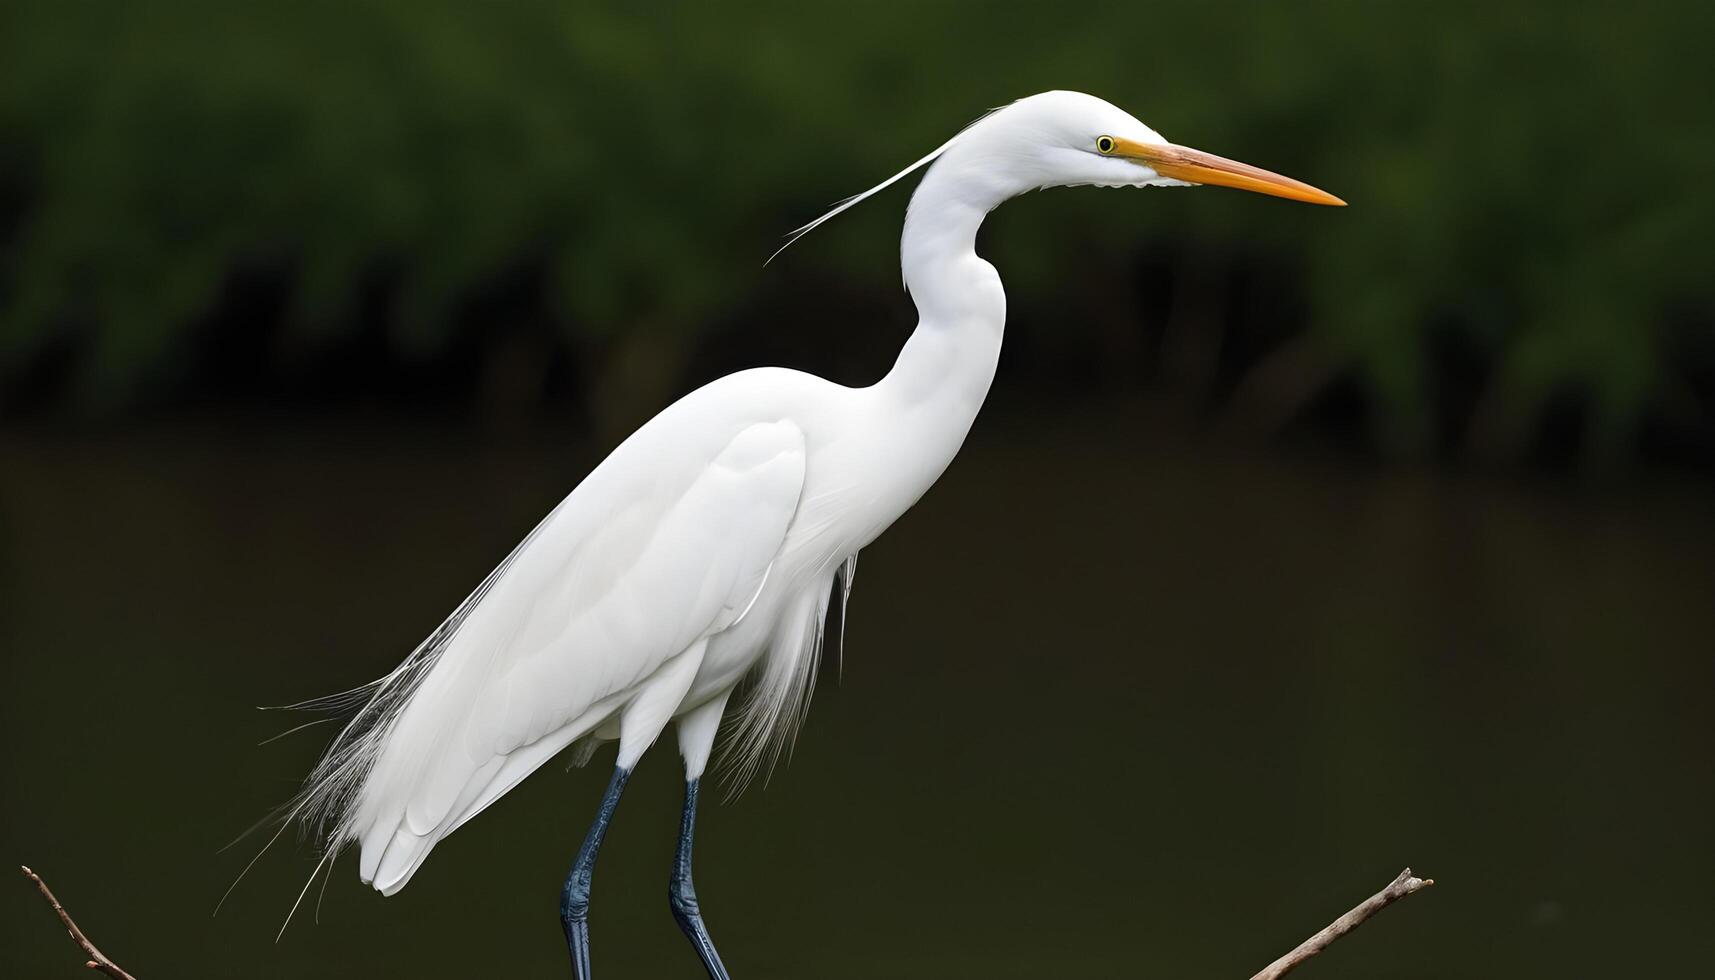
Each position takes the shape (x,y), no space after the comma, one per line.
(682,896)
(575,900)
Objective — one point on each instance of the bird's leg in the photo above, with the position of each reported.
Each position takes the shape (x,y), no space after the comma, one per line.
(575,897)
(682,895)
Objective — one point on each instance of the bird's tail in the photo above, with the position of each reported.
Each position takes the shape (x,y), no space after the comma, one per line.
(325,807)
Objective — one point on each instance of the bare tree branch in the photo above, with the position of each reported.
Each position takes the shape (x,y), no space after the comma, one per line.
(1404,885)
(97,959)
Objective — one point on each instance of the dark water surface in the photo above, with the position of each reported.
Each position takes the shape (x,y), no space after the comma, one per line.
(1111,708)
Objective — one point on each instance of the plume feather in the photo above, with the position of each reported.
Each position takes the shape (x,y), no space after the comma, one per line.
(856,199)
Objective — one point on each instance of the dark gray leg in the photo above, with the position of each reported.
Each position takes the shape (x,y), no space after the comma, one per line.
(575,897)
(683,896)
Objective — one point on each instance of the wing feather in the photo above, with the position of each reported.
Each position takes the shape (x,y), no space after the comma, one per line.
(667,542)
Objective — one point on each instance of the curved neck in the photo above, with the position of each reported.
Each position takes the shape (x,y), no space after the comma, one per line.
(961,306)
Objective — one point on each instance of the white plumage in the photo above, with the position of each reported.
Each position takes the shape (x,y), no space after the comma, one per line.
(705,549)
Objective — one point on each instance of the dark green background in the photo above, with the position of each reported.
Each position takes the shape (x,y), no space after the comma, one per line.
(1296,544)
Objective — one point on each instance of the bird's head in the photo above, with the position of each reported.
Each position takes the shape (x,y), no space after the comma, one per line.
(1062,139)
(1066,139)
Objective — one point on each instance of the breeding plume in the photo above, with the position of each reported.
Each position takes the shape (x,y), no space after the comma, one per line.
(700,557)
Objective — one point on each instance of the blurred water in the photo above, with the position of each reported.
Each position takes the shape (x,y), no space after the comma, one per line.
(1111,707)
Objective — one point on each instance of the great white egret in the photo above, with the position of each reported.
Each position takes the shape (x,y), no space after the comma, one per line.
(706,549)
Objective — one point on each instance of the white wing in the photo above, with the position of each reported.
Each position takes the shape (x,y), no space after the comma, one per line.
(664,544)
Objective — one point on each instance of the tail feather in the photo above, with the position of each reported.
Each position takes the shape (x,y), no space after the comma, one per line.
(391,852)
(326,807)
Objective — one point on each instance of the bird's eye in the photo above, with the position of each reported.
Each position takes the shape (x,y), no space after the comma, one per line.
(1104,145)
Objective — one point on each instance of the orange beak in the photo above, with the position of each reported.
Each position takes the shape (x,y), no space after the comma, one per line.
(1197,167)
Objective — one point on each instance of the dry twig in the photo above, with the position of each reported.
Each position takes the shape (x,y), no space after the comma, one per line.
(1404,885)
(97,959)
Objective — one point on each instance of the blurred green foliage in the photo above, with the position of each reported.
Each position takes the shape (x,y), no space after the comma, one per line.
(1530,180)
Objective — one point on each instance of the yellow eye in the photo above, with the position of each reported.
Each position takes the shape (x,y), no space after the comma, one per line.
(1104,145)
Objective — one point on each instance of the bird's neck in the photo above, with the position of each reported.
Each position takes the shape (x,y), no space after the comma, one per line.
(961,307)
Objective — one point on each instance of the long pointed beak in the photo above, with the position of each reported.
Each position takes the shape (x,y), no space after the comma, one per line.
(1197,167)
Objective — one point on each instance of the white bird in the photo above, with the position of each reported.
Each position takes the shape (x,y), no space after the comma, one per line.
(706,549)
